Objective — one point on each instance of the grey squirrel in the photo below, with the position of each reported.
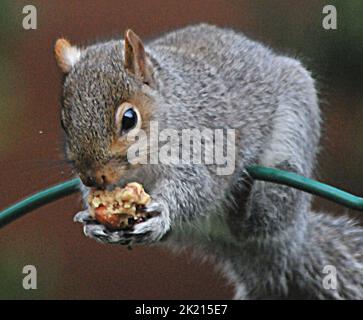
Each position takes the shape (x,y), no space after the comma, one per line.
(262,236)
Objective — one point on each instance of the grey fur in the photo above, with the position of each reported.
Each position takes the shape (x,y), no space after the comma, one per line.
(264,237)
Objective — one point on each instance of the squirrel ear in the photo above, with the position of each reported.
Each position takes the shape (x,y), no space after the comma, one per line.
(136,60)
(66,55)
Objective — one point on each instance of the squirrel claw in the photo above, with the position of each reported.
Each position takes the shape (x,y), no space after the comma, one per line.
(94,231)
(148,231)
(152,209)
(83,217)
(101,234)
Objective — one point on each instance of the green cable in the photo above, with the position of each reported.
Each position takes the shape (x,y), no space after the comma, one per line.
(305,184)
(259,173)
(36,200)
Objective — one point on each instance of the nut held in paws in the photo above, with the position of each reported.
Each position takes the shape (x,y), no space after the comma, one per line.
(118,209)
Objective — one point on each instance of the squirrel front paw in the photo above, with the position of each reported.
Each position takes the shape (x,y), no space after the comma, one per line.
(150,231)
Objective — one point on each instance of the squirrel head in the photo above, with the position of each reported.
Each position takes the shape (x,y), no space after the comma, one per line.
(107,94)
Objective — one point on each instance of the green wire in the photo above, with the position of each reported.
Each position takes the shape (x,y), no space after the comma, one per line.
(305,184)
(259,173)
(36,200)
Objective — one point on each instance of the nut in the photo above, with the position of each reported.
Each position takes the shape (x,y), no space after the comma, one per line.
(118,209)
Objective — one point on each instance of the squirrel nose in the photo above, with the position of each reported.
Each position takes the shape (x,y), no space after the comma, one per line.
(92,181)
(100,178)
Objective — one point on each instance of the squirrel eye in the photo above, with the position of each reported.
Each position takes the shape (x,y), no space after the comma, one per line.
(129,120)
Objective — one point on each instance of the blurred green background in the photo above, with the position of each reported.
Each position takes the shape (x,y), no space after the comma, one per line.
(72,266)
